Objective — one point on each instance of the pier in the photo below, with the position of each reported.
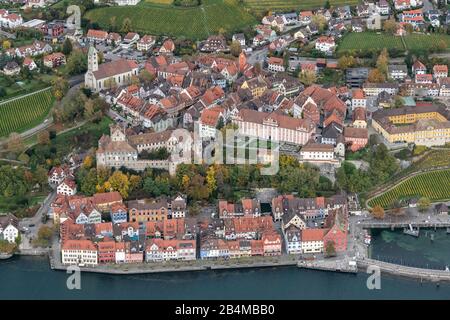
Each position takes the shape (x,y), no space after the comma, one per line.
(404,271)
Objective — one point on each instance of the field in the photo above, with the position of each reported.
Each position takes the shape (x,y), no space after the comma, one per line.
(193,22)
(280,5)
(434,185)
(20,114)
(422,42)
(368,41)
(371,40)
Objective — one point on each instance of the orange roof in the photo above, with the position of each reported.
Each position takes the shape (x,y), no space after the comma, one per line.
(440,68)
(210,117)
(275,60)
(107,197)
(358,94)
(85,245)
(313,234)
(97,34)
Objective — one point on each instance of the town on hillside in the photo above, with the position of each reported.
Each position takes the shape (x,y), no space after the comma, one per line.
(121,160)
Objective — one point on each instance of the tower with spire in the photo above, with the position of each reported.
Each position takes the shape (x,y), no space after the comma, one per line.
(89,79)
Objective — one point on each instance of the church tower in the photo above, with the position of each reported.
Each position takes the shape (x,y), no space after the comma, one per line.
(89,78)
(242,61)
(92,59)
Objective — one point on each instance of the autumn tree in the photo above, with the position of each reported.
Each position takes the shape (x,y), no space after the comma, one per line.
(43,137)
(126,25)
(307,77)
(15,142)
(320,21)
(211,179)
(235,48)
(6,44)
(330,249)
(119,182)
(146,76)
(346,62)
(390,26)
(383,61)
(423,204)
(60,87)
(87,162)
(378,212)
(40,177)
(89,108)
(375,76)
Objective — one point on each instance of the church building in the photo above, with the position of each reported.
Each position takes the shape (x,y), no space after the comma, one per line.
(108,75)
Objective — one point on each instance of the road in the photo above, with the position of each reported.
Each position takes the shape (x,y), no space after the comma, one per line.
(35,222)
(258,56)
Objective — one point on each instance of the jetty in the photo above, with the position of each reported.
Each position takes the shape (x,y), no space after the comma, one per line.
(411,231)
(404,271)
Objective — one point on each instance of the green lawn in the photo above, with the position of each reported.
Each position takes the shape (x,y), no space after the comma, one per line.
(369,41)
(423,42)
(433,185)
(194,22)
(14,89)
(24,113)
(281,5)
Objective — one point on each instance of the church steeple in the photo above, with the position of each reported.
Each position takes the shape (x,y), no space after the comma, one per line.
(242,61)
(92,59)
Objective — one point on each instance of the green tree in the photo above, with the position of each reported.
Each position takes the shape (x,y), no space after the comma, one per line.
(89,182)
(76,63)
(67,47)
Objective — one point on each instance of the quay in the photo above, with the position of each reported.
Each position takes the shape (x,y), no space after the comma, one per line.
(335,265)
(404,271)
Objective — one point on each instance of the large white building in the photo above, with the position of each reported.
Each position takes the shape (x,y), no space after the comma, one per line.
(127,2)
(274,126)
(9,228)
(317,152)
(104,76)
(79,252)
(10,20)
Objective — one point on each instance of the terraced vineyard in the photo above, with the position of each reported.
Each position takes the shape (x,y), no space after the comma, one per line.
(21,114)
(434,185)
(192,22)
(281,5)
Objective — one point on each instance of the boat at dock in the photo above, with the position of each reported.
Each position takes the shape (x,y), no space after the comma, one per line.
(367,238)
(411,231)
(4,256)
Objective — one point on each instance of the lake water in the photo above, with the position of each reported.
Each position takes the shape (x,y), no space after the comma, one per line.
(31,278)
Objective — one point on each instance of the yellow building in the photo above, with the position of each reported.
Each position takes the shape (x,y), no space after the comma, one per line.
(420,125)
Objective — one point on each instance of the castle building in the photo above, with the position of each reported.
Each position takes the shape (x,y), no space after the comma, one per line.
(120,149)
